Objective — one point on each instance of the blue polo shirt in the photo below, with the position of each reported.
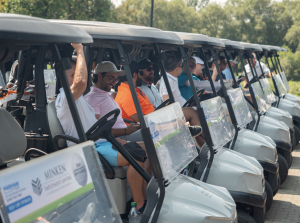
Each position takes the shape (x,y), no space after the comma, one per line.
(186,91)
(227,73)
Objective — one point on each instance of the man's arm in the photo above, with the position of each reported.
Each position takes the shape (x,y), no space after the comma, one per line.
(214,75)
(135,117)
(80,77)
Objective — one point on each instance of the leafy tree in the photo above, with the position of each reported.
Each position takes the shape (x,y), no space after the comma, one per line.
(57,9)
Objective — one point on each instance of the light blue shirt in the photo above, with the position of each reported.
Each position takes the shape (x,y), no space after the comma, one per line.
(227,73)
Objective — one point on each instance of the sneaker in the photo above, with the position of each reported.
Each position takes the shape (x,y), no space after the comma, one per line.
(195,130)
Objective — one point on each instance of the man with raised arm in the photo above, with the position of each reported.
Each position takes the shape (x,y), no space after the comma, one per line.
(77,77)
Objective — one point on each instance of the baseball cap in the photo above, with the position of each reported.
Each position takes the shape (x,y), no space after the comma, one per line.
(134,67)
(108,67)
(198,60)
(145,63)
(234,61)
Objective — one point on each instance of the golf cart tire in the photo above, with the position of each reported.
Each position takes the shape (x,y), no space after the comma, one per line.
(275,192)
(243,217)
(297,134)
(283,168)
(269,191)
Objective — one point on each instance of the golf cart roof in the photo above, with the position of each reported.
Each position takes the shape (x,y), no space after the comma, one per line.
(283,49)
(232,44)
(274,48)
(123,32)
(30,30)
(265,47)
(199,39)
(251,47)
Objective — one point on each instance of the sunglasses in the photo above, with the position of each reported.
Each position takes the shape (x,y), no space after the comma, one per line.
(150,68)
(112,80)
(192,66)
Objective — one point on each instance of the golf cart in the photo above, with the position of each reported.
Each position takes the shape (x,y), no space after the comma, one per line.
(82,197)
(180,198)
(276,130)
(285,101)
(223,164)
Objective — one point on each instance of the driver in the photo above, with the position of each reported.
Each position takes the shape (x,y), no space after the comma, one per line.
(125,101)
(77,77)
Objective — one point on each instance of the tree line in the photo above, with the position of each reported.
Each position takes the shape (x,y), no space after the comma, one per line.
(256,21)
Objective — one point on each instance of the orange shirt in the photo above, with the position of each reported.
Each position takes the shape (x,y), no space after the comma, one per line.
(125,101)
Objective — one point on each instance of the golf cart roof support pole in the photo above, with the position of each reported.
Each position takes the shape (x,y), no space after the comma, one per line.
(207,71)
(279,62)
(277,66)
(254,65)
(251,91)
(40,96)
(274,83)
(60,70)
(88,53)
(235,85)
(201,116)
(260,64)
(151,13)
(226,97)
(163,72)
(152,156)
(252,68)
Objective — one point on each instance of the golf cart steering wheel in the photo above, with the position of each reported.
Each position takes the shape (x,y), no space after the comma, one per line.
(166,102)
(189,102)
(103,126)
(239,81)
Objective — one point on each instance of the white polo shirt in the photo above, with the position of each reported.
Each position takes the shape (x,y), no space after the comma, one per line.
(85,111)
(174,87)
(258,70)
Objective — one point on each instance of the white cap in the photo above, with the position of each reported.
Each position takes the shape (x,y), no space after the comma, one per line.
(108,67)
(198,60)
(234,61)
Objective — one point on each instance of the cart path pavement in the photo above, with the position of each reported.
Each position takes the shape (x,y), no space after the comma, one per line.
(286,203)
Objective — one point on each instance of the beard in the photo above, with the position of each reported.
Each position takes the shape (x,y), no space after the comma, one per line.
(150,79)
(139,82)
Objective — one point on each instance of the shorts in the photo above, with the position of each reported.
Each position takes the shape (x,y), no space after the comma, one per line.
(106,150)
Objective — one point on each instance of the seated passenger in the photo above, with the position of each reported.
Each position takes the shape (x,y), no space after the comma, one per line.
(146,73)
(77,77)
(125,101)
(198,71)
(184,88)
(104,77)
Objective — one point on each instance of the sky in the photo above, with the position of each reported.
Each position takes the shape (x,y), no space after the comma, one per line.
(118,2)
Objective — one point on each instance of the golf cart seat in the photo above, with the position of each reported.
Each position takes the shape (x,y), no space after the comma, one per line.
(59,138)
(13,142)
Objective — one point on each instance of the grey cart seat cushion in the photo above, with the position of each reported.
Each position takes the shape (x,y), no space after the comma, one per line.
(54,124)
(56,128)
(13,142)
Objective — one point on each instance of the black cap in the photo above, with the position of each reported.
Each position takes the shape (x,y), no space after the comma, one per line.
(145,63)
(134,67)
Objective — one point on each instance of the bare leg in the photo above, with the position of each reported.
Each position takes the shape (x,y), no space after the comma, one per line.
(135,181)
(191,116)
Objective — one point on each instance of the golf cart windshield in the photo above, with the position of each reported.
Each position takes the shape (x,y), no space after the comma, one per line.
(68,186)
(240,108)
(260,97)
(280,85)
(285,81)
(266,87)
(217,122)
(173,142)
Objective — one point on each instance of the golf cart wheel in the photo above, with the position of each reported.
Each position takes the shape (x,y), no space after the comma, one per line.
(243,217)
(297,134)
(275,192)
(283,168)
(269,191)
